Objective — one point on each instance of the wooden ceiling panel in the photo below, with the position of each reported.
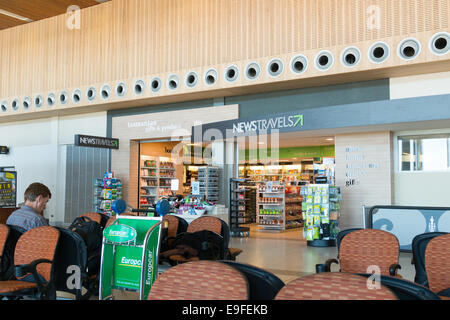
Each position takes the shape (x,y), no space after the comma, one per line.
(37,9)
(9,22)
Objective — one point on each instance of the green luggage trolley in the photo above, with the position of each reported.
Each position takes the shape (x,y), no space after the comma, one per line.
(130,256)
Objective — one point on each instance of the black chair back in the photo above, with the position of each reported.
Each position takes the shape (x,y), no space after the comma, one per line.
(104,219)
(263,285)
(7,261)
(225,233)
(71,251)
(419,244)
(405,289)
(182,225)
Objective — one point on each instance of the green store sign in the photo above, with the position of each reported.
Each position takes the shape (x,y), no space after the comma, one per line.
(286,153)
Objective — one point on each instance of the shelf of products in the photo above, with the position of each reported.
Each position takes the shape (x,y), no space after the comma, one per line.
(271,173)
(321,210)
(250,201)
(299,173)
(191,175)
(293,209)
(324,172)
(106,190)
(208,178)
(271,206)
(238,211)
(155,180)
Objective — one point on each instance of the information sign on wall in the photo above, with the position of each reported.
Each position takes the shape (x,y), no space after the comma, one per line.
(8,184)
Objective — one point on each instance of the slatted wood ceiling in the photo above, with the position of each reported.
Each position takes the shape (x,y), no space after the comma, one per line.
(36,9)
(123,40)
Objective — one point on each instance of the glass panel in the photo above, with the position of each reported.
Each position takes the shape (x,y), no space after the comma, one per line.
(405,156)
(433,155)
(448,153)
(424,153)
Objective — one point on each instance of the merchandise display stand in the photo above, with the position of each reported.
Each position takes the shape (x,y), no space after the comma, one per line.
(106,190)
(250,201)
(238,212)
(321,207)
(293,209)
(271,207)
(129,258)
(155,180)
(208,178)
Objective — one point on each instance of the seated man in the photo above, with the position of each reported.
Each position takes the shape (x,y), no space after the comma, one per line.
(31,214)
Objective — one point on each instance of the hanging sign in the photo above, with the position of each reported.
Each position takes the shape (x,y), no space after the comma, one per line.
(96,142)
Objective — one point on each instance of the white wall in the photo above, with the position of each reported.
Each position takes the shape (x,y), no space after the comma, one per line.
(37,151)
(420,188)
(420,85)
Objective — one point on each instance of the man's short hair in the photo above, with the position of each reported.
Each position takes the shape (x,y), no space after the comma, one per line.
(36,189)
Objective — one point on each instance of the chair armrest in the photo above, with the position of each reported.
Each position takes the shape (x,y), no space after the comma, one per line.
(326,267)
(329,262)
(393,269)
(23,269)
(444,293)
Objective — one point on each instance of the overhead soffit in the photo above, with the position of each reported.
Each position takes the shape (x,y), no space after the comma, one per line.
(17,12)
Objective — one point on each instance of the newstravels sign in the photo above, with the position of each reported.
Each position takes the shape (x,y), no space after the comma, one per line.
(267,124)
(285,122)
(96,142)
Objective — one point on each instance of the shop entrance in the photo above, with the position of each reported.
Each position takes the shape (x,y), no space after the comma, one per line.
(182,173)
(284,166)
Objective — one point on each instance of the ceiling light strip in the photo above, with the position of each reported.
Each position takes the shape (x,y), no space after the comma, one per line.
(15,16)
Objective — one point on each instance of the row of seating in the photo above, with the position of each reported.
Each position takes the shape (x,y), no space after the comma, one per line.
(34,263)
(357,250)
(70,248)
(231,280)
(360,250)
(28,263)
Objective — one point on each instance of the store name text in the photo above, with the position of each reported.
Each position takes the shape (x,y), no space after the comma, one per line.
(266,124)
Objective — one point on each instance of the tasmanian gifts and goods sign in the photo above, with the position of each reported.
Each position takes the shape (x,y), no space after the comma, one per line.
(96,142)
(8,182)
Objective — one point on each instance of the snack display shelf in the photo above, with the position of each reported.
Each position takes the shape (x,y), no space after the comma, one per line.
(238,213)
(154,173)
(271,206)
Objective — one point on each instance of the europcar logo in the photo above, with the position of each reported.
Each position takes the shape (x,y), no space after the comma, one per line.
(266,124)
(119,233)
(130,262)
